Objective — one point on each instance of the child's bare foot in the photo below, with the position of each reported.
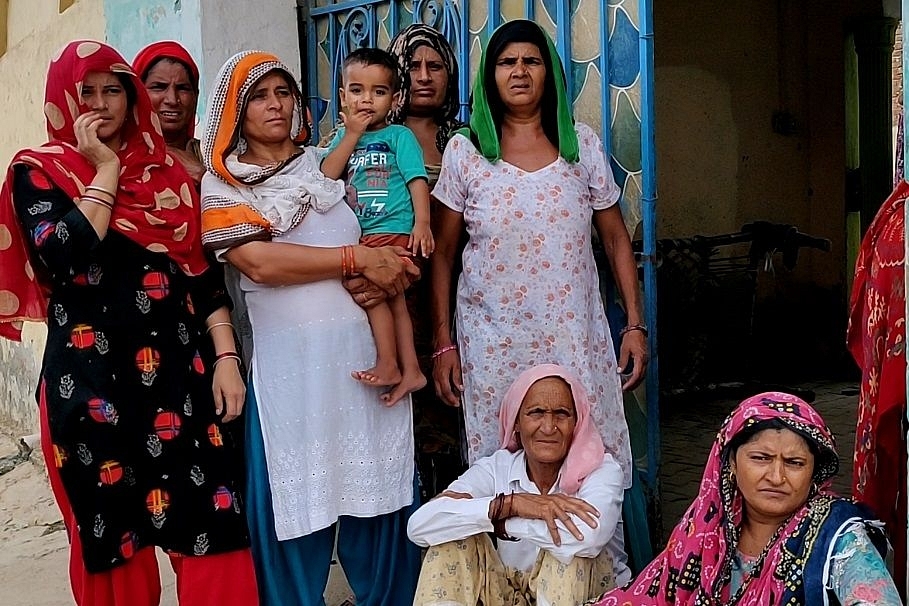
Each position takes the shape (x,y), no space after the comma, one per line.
(410,382)
(380,375)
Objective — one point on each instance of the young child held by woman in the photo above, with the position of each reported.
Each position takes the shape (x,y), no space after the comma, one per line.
(388,190)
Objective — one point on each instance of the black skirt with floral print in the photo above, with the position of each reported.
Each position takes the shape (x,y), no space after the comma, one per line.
(127,379)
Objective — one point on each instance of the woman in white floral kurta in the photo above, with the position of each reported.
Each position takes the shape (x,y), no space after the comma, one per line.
(526,182)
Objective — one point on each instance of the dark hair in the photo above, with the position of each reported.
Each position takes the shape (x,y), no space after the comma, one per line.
(522,30)
(822,456)
(189,72)
(127,83)
(375,56)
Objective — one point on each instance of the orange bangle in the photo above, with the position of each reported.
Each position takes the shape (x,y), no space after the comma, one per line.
(347,261)
(351,260)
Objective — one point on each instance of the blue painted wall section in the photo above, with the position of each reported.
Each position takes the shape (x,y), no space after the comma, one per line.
(131,24)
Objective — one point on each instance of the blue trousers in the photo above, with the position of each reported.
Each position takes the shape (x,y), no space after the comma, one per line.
(381,564)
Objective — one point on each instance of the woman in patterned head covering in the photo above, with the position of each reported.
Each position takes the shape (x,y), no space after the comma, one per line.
(765,530)
(429,90)
(101,234)
(329,466)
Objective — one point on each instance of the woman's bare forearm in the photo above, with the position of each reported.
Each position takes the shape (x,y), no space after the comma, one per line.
(448,226)
(282,264)
(617,245)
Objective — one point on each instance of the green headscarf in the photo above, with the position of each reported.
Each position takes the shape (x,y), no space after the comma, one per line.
(486,106)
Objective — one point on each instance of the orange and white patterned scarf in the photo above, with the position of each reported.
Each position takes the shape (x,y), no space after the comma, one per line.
(242,202)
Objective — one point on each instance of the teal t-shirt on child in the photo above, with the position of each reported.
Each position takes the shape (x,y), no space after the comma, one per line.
(378,172)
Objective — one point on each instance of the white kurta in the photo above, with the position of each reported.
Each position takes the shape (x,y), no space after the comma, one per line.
(332,447)
(529,292)
(445,519)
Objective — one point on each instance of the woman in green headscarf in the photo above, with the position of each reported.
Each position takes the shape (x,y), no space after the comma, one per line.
(527,181)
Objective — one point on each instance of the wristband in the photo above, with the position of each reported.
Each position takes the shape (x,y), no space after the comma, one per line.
(98,201)
(347,262)
(227,355)
(209,329)
(498,517)
(103,190)
(443,350)
(632,327)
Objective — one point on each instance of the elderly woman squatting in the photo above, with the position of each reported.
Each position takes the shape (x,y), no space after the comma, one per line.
(551,495)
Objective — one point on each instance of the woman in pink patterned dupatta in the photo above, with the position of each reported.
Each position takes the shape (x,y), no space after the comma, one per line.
(765,530)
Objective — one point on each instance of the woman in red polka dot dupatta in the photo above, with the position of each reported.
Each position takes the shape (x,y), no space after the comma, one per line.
(99,237)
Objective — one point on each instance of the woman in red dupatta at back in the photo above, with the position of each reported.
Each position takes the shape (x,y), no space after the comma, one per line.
(100,238)
(171,78)
(877,341)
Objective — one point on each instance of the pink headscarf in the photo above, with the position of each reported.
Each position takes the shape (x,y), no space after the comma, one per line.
(586,452)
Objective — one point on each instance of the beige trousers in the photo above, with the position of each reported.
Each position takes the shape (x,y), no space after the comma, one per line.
(470,573)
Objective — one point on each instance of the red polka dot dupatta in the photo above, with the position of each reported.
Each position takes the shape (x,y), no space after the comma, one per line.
(157,205)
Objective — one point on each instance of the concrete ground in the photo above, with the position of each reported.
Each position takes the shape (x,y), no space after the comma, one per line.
(33,549)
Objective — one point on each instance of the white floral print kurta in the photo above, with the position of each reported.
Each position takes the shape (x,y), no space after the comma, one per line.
(529,292)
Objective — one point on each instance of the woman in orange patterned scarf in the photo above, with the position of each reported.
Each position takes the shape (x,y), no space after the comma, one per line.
(329,465)
(100,237)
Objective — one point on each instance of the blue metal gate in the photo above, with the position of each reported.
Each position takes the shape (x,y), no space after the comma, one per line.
(606,46)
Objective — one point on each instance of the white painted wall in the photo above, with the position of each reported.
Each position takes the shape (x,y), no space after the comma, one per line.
(24,15)
(36,33)
(231,27)
(212,31)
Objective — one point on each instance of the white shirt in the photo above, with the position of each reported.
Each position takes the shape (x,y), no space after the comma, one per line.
(446,519)
(332,449)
